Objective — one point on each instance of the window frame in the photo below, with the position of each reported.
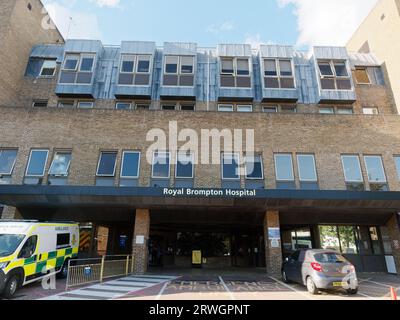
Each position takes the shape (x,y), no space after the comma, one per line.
(13,165)
(226,105)
(222,165)
(244,105)
(61,102)
(397,165)
(366,72)
(359,167)
(115,164)
(326,108)
(67,55)
(262,167)
(270,107)
(84,56)
(80,102)
(276,155)
(69,163)
(169,164)
(29,161)
(334,76)
(177,65)
(123,163)
(382,167)
(370,108)
(176,164)
(298,156)
(235,74)
(181,64)
(122,102)
(278,76)
(122,62)
(43,67)
(137,63)
(40,101)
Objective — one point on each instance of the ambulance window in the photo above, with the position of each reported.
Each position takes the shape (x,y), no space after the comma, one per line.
(29,248)
(62,240)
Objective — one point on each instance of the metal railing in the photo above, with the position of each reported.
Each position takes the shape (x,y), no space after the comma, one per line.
(91,270)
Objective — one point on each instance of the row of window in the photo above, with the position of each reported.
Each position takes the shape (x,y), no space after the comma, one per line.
(135,69)
(230,167)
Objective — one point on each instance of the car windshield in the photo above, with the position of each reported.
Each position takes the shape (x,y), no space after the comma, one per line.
(329,257)
(9,243)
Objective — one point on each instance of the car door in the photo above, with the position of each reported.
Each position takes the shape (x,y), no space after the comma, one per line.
(292,266)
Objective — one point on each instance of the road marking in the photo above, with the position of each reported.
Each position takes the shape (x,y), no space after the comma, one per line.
(363,280)
(226,288)
(308,296)
(380,284)
(162,290)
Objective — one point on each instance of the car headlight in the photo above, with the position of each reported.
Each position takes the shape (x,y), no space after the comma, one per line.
(3,265)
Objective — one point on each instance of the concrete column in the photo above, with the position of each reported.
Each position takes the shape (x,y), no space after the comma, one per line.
(140,240)
(393,226)
(10,213)
(273,247)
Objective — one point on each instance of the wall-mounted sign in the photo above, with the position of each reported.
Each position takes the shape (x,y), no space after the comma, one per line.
(139,240)
(196,257)
(122,241)
(274,237)
(191,192)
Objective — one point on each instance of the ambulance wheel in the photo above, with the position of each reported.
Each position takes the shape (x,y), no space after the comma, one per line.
(64,271)
(11,287)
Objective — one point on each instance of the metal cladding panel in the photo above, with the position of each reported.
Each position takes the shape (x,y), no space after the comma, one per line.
(138,47)
(49,51)
(363,59)
(234,50)
(79,90)
(276,51)
(178,91)
(83,46)
(277,94)
(339,53)
(180,48)
(339,96)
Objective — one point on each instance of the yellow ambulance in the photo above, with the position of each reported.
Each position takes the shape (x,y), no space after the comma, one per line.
(32,250)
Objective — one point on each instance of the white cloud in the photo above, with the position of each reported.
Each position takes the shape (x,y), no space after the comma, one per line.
(223,27)
(81,26)
(328,22)
(255,40)
(107,3)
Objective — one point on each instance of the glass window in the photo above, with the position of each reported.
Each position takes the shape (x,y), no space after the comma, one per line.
(171,64)
(143,64)
(60,164)
(285,67)
(361,75)
(87,64)
(270,68)
(329,238)
(123,105)
(37,163)
(130,164)
(348,239)
(29,247)
(187,107)
(341,69)
(48,68)
(244,108)
(270,109)
(306,165)
(169,107)
(85,105)
(9,243)
(187,65)
(397,162)
(142,106)
(370,110)
(254,167)
(184,165)
(375,169)
(225,107)
(284,167)
(325,69)
(106,165)
(345,110)
(66,104)
(227,66)
(375,243)
(63,240)
(161,165)
(288,109)
(329,257)
(230,166)
(40,104)
(128,64)
(243,67)
(71,62)
(352,169)
(7,161)
(326,110)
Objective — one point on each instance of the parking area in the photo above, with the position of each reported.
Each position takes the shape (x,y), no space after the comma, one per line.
(209,285)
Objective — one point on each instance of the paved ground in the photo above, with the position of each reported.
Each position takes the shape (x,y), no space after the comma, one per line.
(209,285)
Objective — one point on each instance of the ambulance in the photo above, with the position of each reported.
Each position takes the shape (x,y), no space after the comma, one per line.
(32,250)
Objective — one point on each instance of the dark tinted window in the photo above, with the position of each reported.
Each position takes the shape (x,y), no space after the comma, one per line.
(29,248)
(62,240)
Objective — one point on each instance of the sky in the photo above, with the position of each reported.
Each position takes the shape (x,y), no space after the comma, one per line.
(302,23)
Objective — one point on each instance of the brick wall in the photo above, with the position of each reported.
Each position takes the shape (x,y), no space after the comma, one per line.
(140,251)
(273,255)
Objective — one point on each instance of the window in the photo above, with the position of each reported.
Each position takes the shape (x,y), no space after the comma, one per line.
(179,71)
(60,164)
(334,75)
(244,108)
(225,108)
(106,164)
(134,70)
(63,240)
(374,238)
(123,105)
(227,66)
(243,67)
(130,164)
(278,74)
(370,110)
(66,104)
(7,161)
(161,165)
(40,104)
(230,166)
(184,165)
(307,169)
(143,65)
(37,163)
(85,105)
(361,75)
(187,107)
(284,167)
(352,173)
(29,247)
(168,107)
(86,63)
(171,64)
(270,109)
(343,239)
(345,111)
(288,109)
(127,64)
(187,65)
(396,160)
(77,69)
(71,62)
(142,106)
(326,110)
(254,167)
(376,173)
(48,68)
(235,72)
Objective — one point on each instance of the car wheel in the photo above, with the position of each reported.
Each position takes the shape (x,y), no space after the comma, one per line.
(352,291)
(284,277)
(311,287)
(11,287)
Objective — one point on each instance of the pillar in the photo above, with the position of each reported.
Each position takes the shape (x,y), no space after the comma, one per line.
(273,245)
(393,226)
(10,213)
(140,241)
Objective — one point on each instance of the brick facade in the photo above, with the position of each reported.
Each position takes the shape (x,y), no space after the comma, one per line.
(273,250)
(140,250)
(394,233)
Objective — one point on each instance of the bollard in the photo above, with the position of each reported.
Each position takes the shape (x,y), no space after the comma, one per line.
(102,268)
(393,293)
(127,266)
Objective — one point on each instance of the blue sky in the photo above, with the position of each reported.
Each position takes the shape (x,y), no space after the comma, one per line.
(209,22)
